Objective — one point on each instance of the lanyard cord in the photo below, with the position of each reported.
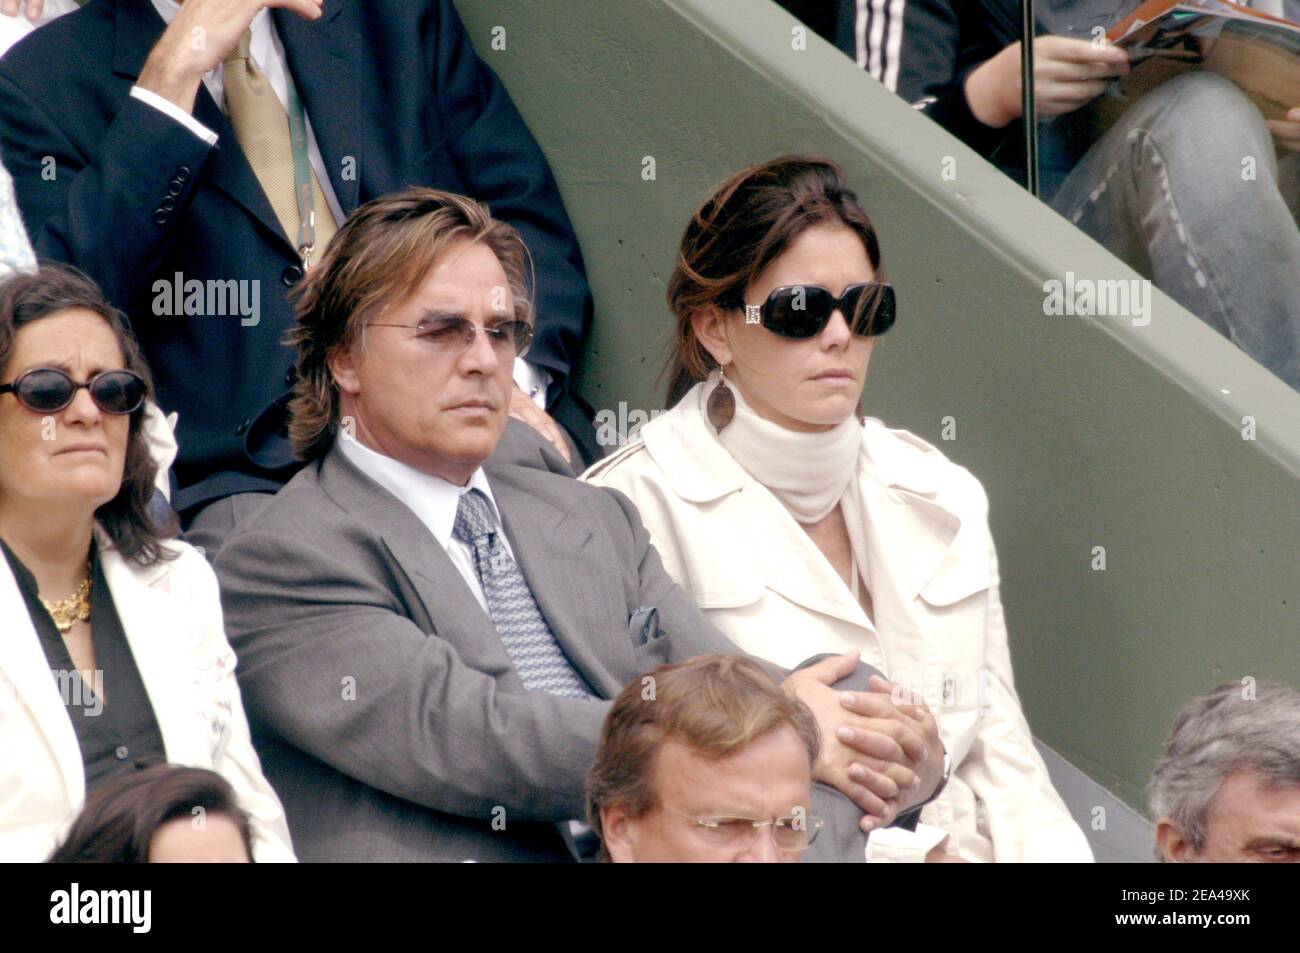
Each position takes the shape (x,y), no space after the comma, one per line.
(303,191)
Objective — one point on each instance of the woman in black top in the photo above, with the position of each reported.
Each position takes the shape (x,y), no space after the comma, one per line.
(112,646)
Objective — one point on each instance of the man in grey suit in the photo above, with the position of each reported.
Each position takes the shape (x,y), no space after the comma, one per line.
(429,624)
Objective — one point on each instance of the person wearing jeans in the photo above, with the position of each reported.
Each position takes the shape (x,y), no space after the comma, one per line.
(1187,187)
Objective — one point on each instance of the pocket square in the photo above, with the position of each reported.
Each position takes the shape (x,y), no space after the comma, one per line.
(643,626)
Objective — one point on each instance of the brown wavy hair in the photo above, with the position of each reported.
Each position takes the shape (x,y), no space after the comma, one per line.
(30,296)
(742,227)
(122,815)
(378,259)
(715,704)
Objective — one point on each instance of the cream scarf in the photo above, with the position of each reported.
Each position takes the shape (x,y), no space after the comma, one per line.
(807,472)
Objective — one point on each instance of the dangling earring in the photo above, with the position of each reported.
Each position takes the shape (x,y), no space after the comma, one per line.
(722,404)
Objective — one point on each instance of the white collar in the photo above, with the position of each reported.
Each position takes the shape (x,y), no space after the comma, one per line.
(261,26)
(700,468)
(431,498)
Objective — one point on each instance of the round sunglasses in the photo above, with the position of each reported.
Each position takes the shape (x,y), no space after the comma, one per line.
(803,311)
(47,390)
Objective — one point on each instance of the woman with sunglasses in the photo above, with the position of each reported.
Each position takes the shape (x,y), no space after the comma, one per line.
(112,652)
(799,527)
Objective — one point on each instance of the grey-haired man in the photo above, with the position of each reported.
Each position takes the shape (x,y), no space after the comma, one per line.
(1227,787)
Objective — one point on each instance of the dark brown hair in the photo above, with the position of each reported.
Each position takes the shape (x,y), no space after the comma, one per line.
(122,815)
(377,260)
(30,296)
(742,227)
(715,704)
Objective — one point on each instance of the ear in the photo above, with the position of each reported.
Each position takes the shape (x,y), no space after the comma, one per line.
(616,829)
(343,368)
(710,327)
(1172,843)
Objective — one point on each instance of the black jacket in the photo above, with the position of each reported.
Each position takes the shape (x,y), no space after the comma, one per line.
(924,50)
(130,196)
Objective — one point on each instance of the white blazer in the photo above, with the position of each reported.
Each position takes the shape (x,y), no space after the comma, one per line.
(171,616)
(932,572)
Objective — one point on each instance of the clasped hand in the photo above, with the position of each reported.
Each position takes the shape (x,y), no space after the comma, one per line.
(885,757)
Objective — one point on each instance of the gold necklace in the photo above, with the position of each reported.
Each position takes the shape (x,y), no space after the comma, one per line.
(76,608)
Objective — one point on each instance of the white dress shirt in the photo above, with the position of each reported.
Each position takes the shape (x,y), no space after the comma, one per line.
(433,500)
(267,53)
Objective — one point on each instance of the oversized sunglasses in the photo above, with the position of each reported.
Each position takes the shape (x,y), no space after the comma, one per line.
(47,390)
(455,335)
(803,311)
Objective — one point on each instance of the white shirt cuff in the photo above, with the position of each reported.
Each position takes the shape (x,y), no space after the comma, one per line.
(180,115)
(895,845)
(532,380)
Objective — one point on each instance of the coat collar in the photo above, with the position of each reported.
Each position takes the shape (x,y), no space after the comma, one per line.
(25,678)
(699,468)
(901,485)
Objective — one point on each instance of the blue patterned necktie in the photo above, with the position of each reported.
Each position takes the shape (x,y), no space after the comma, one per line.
(539,660)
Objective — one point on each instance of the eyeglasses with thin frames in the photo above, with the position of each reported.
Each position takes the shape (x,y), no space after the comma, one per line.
(792,833)
(455,335)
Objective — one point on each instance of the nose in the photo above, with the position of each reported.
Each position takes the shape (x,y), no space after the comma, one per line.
(836,333)
(763,850)
(480,357)
(83,409)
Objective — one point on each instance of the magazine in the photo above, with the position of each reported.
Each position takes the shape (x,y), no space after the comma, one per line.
(1165,38)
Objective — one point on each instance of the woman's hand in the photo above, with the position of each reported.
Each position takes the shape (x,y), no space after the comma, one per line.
(869,746)
(1067,74)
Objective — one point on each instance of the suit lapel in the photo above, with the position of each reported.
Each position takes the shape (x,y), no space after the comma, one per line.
(230,173)
(324,59)
(449,606)
(138,27)
(550,545)
(25,675)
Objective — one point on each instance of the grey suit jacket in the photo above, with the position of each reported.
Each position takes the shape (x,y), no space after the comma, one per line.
(387,714)
(389,717)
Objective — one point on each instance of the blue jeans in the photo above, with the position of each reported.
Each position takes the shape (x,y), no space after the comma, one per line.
(1167,190)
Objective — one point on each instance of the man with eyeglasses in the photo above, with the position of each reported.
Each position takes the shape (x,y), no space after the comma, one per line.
(429,623)
(163,146)
(707,760)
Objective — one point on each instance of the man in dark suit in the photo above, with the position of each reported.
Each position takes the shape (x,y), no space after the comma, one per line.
(163,162)
(428,638)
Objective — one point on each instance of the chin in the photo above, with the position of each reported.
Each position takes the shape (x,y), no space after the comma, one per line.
(476,447)
(828,413)
(95,487)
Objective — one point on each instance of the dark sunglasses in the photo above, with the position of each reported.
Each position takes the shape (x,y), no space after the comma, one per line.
(47,390)
(803,311)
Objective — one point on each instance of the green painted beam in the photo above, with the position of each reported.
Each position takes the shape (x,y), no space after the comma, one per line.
(1086,432)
